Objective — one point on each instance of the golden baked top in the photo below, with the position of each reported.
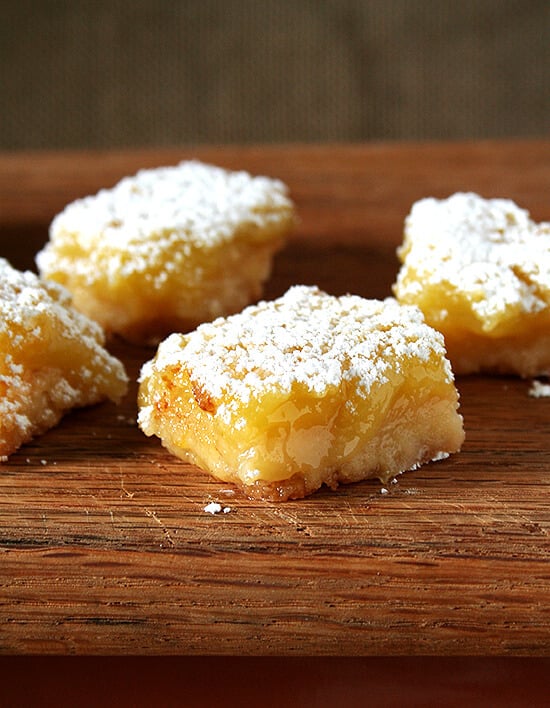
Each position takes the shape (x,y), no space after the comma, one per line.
(489,250)
(307,338)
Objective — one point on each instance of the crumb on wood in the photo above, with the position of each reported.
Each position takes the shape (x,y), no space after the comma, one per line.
(539,389)
(216,508)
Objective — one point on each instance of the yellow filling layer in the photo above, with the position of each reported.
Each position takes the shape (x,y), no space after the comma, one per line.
(281,435)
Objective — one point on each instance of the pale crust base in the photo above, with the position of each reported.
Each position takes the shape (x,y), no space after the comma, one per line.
(417,439)
(527,356)
(146,318)
(42,398)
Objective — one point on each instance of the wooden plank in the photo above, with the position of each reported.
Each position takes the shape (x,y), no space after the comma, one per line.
(104,543)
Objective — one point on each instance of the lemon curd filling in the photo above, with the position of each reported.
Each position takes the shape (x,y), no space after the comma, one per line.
(306,390)
(52,358)
(479,269)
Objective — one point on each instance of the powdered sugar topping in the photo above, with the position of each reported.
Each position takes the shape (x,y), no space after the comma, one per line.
(193,202)
(306,337)
(25,300)
(488,248)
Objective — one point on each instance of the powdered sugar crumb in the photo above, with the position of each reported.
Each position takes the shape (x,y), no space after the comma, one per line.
(216,508)
(539,389)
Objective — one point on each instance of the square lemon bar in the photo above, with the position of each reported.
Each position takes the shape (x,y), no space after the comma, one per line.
(305,390)
(168,248)
(52,358)
(479,269)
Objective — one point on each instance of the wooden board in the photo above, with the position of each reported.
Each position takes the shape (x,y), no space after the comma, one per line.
(104,543)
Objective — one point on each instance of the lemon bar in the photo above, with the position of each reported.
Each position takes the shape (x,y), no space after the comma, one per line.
(305,390)
(479,269)
(52,358)
(168,248)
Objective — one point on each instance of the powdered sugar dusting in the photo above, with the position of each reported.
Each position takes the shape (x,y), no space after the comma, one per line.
(32,309)
(216,508)
(306,337)
(487,248)
(189,205)
(539,389)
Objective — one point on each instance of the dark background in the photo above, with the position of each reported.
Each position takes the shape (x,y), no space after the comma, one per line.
(123,73)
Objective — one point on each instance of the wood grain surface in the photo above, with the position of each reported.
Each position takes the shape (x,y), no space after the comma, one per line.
(105,547)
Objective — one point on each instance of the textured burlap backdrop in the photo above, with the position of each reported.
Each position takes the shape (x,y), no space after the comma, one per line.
(154,72)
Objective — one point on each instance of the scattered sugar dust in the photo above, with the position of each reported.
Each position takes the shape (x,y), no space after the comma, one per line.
(539,389)
(216,508)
